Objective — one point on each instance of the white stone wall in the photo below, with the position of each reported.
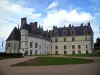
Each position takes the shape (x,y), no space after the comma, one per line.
(45,46)
(79,40)
(14,46)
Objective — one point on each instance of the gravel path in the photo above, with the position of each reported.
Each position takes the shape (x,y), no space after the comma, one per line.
(79,69)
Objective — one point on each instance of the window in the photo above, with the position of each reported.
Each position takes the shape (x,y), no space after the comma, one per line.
(36,45)
(72,32)
(86,38)
(86,46)
(65,52)
(8,44)
(30,44)
(39,46)
(73,52)
(56,52)
(73,39)
(65,33)
(73,46)
(79,51)
(56,47)
(87,51)
(79,46)
(64,46)
(64,39)
(56,39)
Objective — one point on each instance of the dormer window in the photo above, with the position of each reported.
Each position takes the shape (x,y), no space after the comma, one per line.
(85,32)
(65,32)
(56,39)
(73,32)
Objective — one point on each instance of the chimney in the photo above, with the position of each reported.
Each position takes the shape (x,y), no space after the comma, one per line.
(31,23)
(35,24)
(88,23)
(69,25)
(23,20)
(81,24)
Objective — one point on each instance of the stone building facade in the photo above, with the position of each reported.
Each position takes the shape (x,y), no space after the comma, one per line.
(30,39)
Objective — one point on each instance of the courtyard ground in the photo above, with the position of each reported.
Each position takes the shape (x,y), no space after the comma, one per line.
(79,69)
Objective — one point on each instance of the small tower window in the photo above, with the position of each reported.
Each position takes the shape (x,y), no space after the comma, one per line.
(86,38)
(64,39)
(73,39)
(56,39)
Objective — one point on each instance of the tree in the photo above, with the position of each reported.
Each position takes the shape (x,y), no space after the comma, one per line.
(97,44)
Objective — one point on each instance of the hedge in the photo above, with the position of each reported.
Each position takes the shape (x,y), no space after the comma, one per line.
(14,55)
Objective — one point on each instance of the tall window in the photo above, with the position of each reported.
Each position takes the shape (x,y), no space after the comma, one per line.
(79,46)
(64,39)
(65,47)
(56,47)
(73,46)
(30,44)
(39,46)
(86,38)
(86,46)
(8,44)
(56,39)
(36,45)
(73,38)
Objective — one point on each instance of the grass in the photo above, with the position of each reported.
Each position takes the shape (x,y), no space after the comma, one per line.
(43,61)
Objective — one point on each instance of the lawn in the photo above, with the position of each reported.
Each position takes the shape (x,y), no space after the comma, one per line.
(43,61)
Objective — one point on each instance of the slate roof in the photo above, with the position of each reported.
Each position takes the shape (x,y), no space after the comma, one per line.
(79,30)
(40,33)
(15,35)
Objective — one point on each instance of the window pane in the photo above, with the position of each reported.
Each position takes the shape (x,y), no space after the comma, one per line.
(30,44)
(56,47)
(79,46)
(56,39)
(64,46)
(73,39)
(64,39)
(73,46)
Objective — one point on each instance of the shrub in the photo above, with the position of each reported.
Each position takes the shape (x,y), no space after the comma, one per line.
(13,55)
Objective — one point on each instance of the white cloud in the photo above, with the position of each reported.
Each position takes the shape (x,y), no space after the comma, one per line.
(53,4)
(61,17)
(97,14)
(11,14)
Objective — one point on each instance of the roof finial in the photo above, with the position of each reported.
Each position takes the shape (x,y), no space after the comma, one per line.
(18,26)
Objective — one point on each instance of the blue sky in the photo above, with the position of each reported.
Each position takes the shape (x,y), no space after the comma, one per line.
(48,13)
